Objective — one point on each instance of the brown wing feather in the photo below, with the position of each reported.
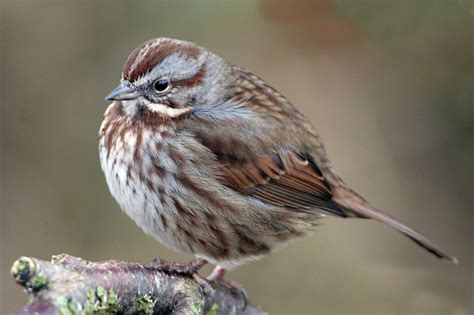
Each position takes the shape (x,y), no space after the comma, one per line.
(245,148)
(284,180)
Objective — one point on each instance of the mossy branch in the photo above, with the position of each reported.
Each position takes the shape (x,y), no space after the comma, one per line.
(71,285)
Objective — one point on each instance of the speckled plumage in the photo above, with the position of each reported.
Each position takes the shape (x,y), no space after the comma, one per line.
(219,166)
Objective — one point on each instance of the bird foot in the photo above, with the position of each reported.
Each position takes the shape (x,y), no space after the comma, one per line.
(218,274)
(189,268)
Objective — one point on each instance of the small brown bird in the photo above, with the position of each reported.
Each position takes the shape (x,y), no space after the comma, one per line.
(212,161)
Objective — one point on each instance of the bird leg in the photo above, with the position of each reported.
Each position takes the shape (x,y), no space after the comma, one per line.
(188,268)
(217,274)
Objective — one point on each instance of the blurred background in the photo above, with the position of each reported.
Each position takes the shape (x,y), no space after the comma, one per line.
(387,83)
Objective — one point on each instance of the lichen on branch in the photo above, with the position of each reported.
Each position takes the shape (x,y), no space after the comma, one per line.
(71,285)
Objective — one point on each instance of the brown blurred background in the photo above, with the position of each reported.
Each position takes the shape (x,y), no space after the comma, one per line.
(387,83)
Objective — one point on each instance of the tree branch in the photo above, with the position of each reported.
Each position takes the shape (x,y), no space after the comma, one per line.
(71,285)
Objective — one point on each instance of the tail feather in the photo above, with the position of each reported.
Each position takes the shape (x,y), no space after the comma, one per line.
(365,211)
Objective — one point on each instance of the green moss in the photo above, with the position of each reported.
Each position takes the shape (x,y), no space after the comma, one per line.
(100,293)
(91,296)
(198,307)
(20,266)
(214,310)
(145,305)
(66,306)
(39,282)
(101,301)
(113,297)
(22,269)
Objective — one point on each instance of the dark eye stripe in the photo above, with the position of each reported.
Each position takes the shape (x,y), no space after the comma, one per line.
(195,79)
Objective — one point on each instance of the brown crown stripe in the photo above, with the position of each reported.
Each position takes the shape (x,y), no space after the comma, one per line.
(132,70)
(131,59)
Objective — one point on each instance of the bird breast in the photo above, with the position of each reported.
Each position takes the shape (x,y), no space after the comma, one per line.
(139,172)
(168,183)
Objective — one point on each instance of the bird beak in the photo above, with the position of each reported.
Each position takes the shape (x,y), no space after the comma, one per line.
(125,91)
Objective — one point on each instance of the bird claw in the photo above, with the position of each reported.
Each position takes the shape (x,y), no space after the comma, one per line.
(189,268)
(218,274)
(240,289)
(192,267)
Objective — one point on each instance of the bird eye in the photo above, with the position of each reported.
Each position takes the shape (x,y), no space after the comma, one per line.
(162,85)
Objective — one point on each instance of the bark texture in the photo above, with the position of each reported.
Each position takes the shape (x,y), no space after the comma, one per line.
(71,285)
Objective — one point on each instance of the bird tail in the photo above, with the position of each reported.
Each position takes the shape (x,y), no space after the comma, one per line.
(358,207)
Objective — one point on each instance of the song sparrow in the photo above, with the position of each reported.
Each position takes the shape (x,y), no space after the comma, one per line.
(212,161)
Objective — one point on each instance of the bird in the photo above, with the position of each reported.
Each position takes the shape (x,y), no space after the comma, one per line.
(212,161)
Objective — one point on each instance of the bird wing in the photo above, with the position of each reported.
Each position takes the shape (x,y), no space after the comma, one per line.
(258,155)
(281,179)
